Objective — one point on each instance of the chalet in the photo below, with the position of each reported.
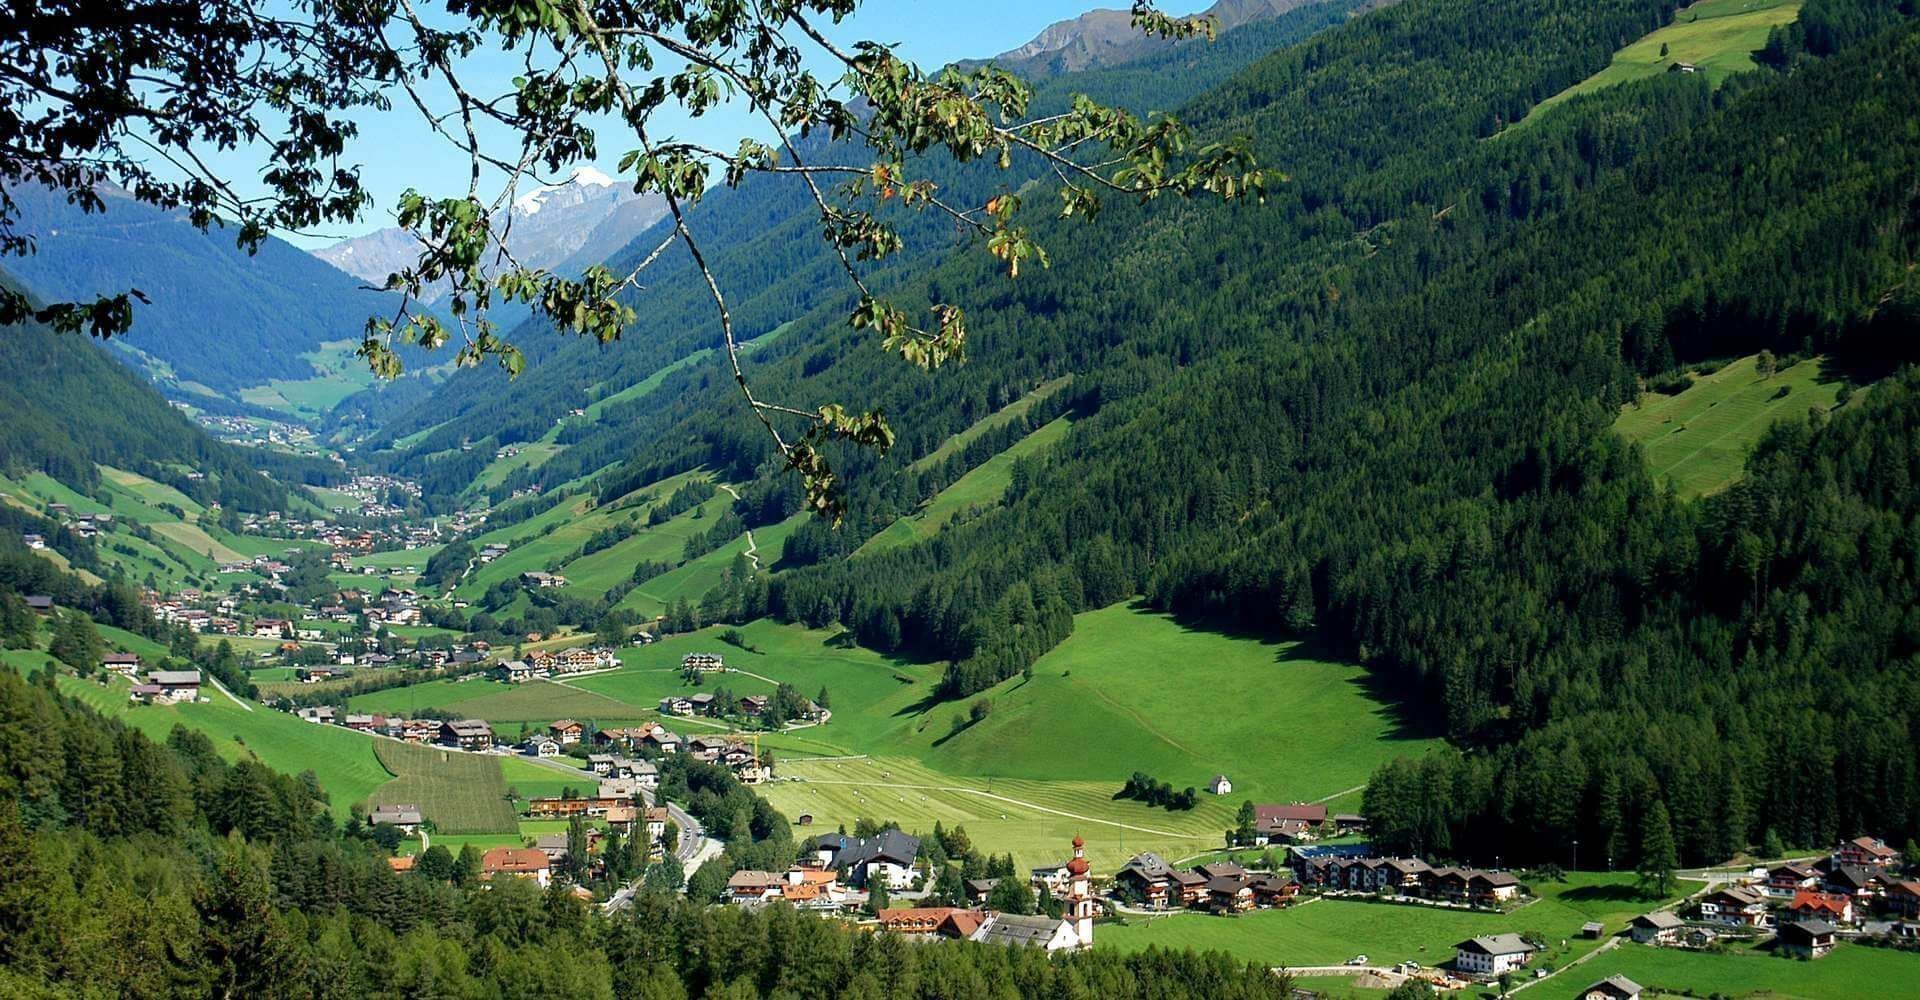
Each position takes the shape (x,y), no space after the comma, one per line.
(662,740)
(706,748)
(1491,887)
(566,731)
(1866,852)
(1490,955)
(360,722)
(621,819)
(1220,785)
(1806,938)
(701,704)
(1831,907)
(1273,890)
(752,705)
(1658,927)
(1904,898)
(1405,874)
(927,921)
(124,664)
(619,788)
(1349,823)
(1150,878)
(702,662)
(674,704)
(565,808)
(467,734)
(319,714)
(1738,905)
(514,672)
(655,818)
(888,855)
(520,862)
(34,542)
(543,746)
(406,817)
(601,764)
(1013,930)
(1614,987)
(175,685)
(542,580)
(40,604)
(1229,893)
(1189,888)
(1296,821)
(272,628)
(1683,67)
(978,889)
(1789,878)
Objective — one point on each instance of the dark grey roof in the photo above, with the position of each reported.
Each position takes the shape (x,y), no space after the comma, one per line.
(1616,984)
(1496,944)
(1811,928)
(1014,929)
(888,845)
(1658,919)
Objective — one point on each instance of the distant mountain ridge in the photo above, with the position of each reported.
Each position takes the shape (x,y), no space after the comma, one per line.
(565,227)
(1106,37)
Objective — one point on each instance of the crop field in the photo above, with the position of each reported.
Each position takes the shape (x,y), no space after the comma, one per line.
(1850,971)
(1330,931)
(459,792)
(984,485)
(1699,439)
(1718,37)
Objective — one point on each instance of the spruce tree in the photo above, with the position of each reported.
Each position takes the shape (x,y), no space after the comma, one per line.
(1657,855)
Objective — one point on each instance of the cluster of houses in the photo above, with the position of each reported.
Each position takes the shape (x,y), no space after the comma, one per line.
(82,525)
(1293,822)
(542,664)
(1340,870)
(1220,886)
(750,706)
(541,579)
(161,687)
(1808,907)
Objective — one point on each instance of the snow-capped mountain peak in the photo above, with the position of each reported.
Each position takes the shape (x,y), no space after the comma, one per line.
(582,177)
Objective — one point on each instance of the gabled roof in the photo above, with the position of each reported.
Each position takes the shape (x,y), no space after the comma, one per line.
(1149,866)
(513,860)
(1658,920)
(174,677)
(1810,928)
(1496,944)
(1616,984)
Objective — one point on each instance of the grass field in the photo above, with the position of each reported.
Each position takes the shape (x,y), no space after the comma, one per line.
(337,375)
(693,579)
(999,418)
(1699,439)
(533,780)
(549,538)
(459,792)
(983,485)
(1330,931)
(1850,971)
(1717,36)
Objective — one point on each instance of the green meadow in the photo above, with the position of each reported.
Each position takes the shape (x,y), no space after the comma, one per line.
(982,486)
(994,421)
(1698,440)
(1717,37)
(1851,970)
(1331,931)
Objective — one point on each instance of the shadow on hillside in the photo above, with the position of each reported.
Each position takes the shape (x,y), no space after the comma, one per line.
(1617,892)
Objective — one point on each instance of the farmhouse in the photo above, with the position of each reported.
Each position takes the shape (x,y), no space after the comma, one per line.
(1149,877)
(1858,881)
(520,862)
(674,704)
(1490,955)
(1298,821)
(541,580)
(1904,898)
(467,734)
(567,731)
(1228,892)
(1013,930)
(1789,878)
(514,671)
(1658,927)
(174,686)
(1806,938)
(125,664)
(1053,877)
(406,817)
(543,746)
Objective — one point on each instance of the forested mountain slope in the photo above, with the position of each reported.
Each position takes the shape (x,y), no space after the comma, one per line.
(69,407)
(771,259)
(1380,408)
(216,315)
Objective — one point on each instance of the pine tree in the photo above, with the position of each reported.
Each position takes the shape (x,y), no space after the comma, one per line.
(1657,855)
(876,896)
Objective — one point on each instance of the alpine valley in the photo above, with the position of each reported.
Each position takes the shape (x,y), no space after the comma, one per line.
(1488,562)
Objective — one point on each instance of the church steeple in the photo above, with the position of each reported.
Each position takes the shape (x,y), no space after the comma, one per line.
(1077,905)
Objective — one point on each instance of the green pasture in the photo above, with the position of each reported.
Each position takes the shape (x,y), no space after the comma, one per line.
(1699,439)
(984,485)
(994,421)
(1717,37)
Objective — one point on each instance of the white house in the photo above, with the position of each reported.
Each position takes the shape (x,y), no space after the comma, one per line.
(1220,785)
(1491,955)
(1048,933)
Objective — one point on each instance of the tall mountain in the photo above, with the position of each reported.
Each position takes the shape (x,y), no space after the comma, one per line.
(567,227)
(218,319)
(1106,37)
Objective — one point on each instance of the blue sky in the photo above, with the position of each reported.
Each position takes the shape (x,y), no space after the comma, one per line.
(396,150)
